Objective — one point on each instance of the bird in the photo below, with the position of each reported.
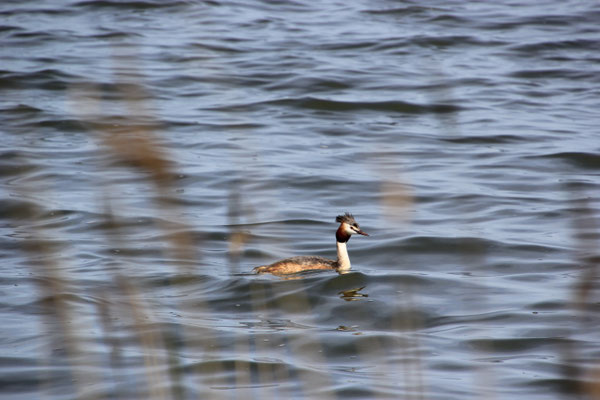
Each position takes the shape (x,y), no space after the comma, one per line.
(348,227)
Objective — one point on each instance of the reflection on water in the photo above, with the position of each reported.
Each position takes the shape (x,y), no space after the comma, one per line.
(352,294)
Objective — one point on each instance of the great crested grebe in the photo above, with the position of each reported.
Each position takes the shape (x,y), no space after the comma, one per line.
(348,226)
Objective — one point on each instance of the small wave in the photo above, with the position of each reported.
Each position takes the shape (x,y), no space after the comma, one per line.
(47,78)
(135,5)
(315,103)
(577,159)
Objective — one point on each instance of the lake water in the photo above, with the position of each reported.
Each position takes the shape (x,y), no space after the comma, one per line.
(154,152)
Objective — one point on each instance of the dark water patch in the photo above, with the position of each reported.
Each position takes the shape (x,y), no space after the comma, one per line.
(450,42)
(533,49)
(19,209)
(310,84)
(403,11)
(47,79)
(564,386)
(226,375)
(21,113)
(349,45)
(59,124)
(450,20)
(431,244)
(516,345)
(550,306)
(354,390)
(16,381)
(219,48)
(222,127)
(9,28)
(538,94)
(540,21)
(37,9)
(117,35)
(586,160)
(390,106)
(485,139)
(318,104)
(132,5)
(35,39)
(559,73)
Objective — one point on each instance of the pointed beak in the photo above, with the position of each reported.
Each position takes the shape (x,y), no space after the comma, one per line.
(362,233)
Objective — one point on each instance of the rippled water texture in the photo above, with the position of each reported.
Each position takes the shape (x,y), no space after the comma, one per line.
(154,152)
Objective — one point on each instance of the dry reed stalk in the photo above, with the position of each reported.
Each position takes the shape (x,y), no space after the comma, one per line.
(414,370)
(585,225)
(53,287)
(139,313)
(136,146)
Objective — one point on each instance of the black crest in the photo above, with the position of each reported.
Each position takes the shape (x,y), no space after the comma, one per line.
(347,218)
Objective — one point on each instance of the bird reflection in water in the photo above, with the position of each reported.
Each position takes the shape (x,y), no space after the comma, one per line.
(352,294)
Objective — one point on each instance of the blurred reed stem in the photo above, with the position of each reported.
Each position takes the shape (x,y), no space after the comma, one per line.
(586,229)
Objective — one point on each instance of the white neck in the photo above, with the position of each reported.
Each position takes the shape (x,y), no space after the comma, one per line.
(342,257)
